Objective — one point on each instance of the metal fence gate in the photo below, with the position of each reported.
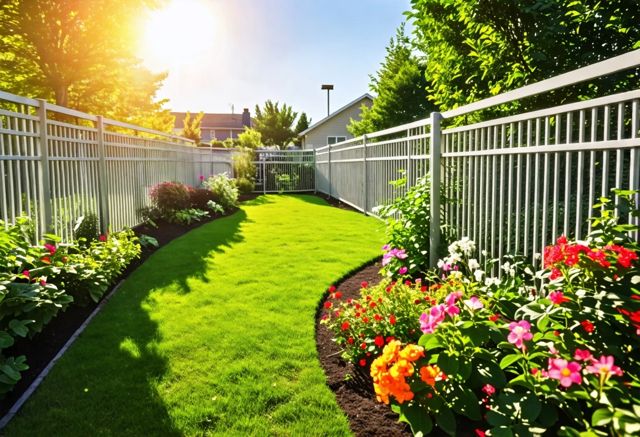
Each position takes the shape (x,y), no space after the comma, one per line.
(284,171)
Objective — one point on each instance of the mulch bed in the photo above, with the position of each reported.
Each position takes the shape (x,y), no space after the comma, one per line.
(355,394)
(41,349)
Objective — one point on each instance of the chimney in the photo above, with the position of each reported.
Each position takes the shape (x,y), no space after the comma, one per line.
(246,118)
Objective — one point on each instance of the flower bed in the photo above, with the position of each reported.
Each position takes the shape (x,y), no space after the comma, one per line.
(521,353)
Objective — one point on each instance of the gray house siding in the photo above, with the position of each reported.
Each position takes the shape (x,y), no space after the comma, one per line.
(336,126)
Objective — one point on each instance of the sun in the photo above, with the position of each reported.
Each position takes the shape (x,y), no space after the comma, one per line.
(178,34)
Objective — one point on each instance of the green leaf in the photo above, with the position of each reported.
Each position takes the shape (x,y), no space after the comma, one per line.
(509,359)
(601,417)
(502,431)
(430,342)
(6,340)
(446,421)
(418,418)
(448,364)
(19,328)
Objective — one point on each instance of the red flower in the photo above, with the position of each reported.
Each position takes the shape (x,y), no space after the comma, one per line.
(378,317)
(488,389)
(344,326)
(363,362)
(392,319)
(363,345)
(390,339)
(328,304)
(46,260)
(365,319)
(350,340)
(407,282)
(102,238)
(332,289)
(588,326)
(51,248)
(26,274)
(364,284)
(423,288)
(43,282)
(417,301)
(557,297)
(379,341)
(372,305)
(494,317)
(338,295)
(479,432)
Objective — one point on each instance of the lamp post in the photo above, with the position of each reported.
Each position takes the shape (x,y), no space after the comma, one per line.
(328,88)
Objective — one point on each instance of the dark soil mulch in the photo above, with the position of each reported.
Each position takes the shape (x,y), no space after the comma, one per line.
(355,394)
(41,349)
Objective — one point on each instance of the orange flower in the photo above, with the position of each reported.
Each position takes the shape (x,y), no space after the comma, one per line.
(391,368)
(429,374)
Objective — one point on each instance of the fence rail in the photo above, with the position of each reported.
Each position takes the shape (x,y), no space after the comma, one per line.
(58,164)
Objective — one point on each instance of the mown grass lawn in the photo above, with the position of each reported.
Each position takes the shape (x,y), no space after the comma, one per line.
(214,334)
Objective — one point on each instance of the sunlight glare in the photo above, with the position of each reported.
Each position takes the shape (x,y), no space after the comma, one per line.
(178,34)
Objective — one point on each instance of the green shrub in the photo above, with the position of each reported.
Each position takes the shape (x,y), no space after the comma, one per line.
(86,228)
(224,190)
(243,164)
(245,186)
(188,216)
(170,196)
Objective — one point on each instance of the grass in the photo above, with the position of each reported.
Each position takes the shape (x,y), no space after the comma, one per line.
(214,334)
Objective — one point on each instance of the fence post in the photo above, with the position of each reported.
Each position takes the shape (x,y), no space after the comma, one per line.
(365,183)
(408,172)
(315,171)
(264,176)
(434,170)
(102,177)
(46,215)
(330,181)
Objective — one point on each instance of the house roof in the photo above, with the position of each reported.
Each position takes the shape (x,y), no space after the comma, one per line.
(365,96)
(212,121)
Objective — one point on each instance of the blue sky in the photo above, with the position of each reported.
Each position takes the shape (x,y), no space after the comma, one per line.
(274,49)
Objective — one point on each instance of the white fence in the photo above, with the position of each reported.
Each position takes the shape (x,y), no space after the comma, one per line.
(514,184)
(284,171)
(57,164)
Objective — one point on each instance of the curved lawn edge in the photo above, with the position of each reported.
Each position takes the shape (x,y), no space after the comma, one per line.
(178,351)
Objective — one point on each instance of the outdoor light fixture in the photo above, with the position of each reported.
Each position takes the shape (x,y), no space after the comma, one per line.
(328,88)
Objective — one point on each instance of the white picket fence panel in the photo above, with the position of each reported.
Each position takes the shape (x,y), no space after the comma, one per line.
(58,164)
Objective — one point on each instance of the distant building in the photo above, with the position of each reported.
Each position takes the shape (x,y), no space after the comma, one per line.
(217,126)
(333,128)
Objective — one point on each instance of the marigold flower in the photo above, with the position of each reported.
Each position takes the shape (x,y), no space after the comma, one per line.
(567,373)
(604,367)
(519,333)
(389,372)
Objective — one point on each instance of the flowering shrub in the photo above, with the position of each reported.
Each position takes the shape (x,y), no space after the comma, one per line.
(552,351)
(224,190)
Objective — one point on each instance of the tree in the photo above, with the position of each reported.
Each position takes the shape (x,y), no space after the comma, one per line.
(191,128)
(302,125)
(250,139)
(80,54)
(479,48)
(401,88)
(275,124)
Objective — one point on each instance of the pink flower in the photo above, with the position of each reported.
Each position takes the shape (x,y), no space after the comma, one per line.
(51,248)
(566,372)
(429,322)
(102,238)
(201,178)
(604,367)
(402,270)
(520,332)
(43,282)
(26,274)
(488,389)
(557,297)
(582,355)
(474,303)
(386,247)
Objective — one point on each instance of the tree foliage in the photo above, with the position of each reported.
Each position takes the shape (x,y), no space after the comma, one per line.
(401,88)
(479,48)
(191,129)
(250,139)
(80,54)
(302,124)
(275,123)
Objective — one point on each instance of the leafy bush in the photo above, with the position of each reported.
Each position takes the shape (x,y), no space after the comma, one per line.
(188,216)
(200,197)
(408,221)
(507,356)
(245,186)
(214,207)
(149,215)
(148,241)
(86,228)
(170,196)
(224,190)
(286,182)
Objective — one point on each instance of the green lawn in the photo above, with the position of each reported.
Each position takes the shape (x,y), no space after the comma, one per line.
(214,334)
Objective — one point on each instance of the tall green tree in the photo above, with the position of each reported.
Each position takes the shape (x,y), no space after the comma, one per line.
(80,54)
(302,124)
(191,127)
(479,48)
(275,123)
(401,88)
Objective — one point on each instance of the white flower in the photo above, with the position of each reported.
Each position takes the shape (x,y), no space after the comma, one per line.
(485,253)
(509,269)
(474,264)
(478,274)
(491,281)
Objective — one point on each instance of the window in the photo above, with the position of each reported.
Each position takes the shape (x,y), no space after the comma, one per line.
(334,140)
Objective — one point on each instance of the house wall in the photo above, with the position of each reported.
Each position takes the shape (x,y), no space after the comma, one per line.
(220,134)
(336,126)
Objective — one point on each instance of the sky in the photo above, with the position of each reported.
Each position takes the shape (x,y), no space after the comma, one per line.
(220,53)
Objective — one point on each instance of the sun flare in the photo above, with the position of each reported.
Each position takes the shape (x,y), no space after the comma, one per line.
(177,34)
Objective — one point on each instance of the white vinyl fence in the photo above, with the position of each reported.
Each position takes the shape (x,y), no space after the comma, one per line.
(58,164)
(514,184)
(284,171)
